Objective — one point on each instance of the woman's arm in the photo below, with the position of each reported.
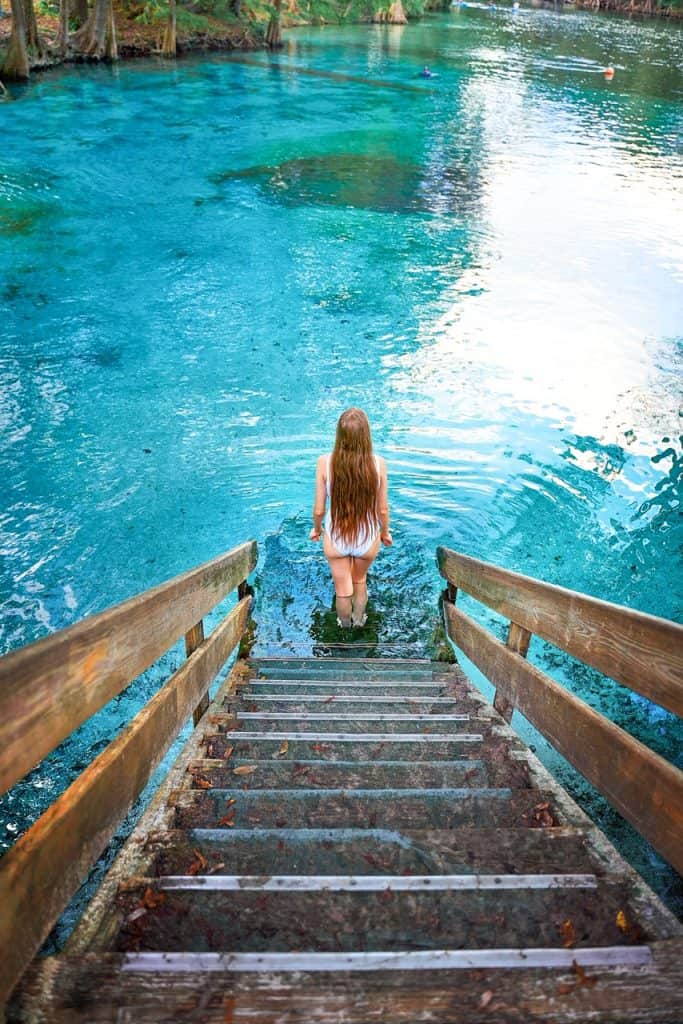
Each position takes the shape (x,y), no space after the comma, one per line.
(383,505)
(320,498)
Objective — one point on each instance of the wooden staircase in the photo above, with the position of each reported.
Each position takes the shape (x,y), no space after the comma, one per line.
(358,840)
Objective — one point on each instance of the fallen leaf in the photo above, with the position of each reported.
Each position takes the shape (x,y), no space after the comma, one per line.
(565,988)
(202,783)
(209,750)
(622,922)
(230,802)
(485,1000)
(584,979)
(320,748)
(136,914)
(227,753)
(215,868)
(198,864)
(244,769)
(283,749)
(152,899)
(329,700)
(568,934)
(229,820)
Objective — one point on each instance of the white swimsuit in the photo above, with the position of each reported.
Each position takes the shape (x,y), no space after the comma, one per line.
(364,540)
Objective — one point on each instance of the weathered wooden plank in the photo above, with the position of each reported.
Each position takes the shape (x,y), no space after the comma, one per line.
(193,638)
(58,991)
(644,788)
(45,867)
(641,651)
(49,688)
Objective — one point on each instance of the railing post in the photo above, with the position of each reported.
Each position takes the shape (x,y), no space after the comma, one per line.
(518,641)
(248,637)
(193,638)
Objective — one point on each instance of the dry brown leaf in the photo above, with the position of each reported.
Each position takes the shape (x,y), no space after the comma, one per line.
(485,1000)
(227,753)
(230,802)
(200,863)
(202,783)
(244,769)
(584,979)
(568,934)
(329,700)
(152,899)
(215,868)
(283,749)
(229,820)
(622,921)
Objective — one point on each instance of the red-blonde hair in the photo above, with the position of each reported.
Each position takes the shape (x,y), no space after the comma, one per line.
(354,481)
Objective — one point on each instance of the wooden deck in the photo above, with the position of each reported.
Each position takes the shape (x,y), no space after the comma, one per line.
(358,841)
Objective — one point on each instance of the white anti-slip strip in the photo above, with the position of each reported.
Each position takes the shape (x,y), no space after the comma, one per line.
(355,737)
(306,698)
(329,681)
(371,883)
(417,960)
(307,716)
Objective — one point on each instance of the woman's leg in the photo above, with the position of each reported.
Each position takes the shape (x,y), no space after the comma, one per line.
(359,574)
(340,567)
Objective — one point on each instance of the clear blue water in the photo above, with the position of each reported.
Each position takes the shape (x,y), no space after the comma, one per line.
(203,263)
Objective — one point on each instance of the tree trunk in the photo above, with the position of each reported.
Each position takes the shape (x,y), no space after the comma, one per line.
(237,7)
(63,26)
(97,38)
(78,10)
(15,66)
(274,30)
(33,40)
(397,16)
(169,46)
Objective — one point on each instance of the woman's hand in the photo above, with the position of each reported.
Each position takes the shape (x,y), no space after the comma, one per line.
(315,534)
(387,540)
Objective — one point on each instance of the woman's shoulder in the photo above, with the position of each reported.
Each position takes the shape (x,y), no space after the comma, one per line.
(322,460)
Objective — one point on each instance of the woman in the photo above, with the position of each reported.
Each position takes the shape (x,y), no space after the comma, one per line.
(355,481)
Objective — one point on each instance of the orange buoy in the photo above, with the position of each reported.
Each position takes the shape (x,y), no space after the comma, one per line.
(609,72)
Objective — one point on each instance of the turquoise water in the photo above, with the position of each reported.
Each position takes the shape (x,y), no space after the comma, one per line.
(203,263)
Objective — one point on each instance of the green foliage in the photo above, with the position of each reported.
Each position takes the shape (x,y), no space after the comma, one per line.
(49,7)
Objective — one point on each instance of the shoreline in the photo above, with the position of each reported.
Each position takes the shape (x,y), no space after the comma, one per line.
(137,41)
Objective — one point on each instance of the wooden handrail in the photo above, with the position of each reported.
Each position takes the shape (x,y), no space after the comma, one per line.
(641,651)
(42,871)
(49,688)
(641,785)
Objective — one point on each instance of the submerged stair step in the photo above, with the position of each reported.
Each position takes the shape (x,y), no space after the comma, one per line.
(391,919)
(274,703)
(346,775)
(340,808)
(365,850)
(350,688)
(334,721)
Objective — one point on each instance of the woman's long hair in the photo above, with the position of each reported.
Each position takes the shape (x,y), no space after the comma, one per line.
(354,484)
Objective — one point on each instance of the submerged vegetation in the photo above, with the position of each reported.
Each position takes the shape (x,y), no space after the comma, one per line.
(41,33)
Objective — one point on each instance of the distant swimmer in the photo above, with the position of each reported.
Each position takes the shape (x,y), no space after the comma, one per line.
(426,73)
(515,6)
(608,72)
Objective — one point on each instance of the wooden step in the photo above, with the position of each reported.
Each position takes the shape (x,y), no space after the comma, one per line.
(332,919)
(377,808)
(363,724)
(629,985)
(351,687)
(347,704)
(316,774)
(365,851)
(326,746)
